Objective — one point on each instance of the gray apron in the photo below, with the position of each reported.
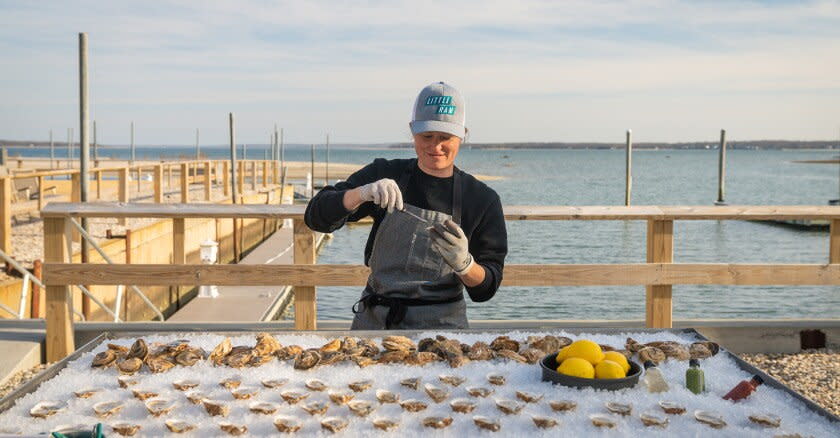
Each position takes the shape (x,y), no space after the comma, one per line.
(410,285)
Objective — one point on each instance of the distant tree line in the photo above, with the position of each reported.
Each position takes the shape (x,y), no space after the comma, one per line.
(748,144)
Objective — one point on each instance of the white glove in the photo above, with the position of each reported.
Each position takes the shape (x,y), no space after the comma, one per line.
(451,243)
(384,193)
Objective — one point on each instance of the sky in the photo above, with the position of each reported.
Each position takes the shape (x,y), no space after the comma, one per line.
(530,71)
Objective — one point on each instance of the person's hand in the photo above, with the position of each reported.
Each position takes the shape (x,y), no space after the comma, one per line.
(451,243)
(384,193)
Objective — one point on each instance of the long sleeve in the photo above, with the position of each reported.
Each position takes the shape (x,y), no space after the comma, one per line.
(488,246)
(325,212)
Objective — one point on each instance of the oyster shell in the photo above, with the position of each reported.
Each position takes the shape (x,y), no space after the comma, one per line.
(532,355)
(188,358)
(673,408)
(496,379)
(420,358)
(766,420)
(487,423)
(142,394)
(331,346)
(504,343)
(562,405)
(394,343)
(216,407)
(221,351)
(462,405)
(436,393)
(178,426)
(266,345)
(703,349)
(676,351)
(185,384)
(288,352)
(118,349)
(261,407)
(622,409)
(104,359)
(480,351)
(602,420)
(159,364)
(653,419)
(361,408)
(315,407)
(511,355)
(385,396)
(479,391)
(245,392)
(195,397)
(528,397)
(138,350)
(330,358)
(437,422)
(274,383)
(544,422)
(287,424)
(341,397)
(87,392)
(126,381)
(239,356)
(411,382)
(307,360)
(509,406)
(44,409)
(108,408)
(159,406)
(362,361)
(360,385)
(292,397)
(231,382)
(394,356)
(316,385)
(129,366)
(333,424)
(711,419)
(385,423)
(550,344)
(652,354)
(632,345)
(125,429)
(452,380)
(233,429)
(413,405)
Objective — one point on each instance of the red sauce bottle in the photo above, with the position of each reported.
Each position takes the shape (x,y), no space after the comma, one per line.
(744,389)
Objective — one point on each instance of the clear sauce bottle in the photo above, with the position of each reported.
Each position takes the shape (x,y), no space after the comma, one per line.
(653,379)
(695,380)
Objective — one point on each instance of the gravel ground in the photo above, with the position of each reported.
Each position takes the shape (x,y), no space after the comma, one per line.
(20,378)
(813,373)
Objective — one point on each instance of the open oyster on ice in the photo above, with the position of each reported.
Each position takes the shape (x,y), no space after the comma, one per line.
(46,408)
(287,424)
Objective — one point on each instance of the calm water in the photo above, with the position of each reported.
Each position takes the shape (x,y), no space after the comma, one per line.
(565,177)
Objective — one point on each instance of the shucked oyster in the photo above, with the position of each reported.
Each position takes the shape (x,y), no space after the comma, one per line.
(413,405)
(216,407)
(544,422)
(185,384)
(436,393)
(287,424)
(452,380)
(385,423)
(601,420)
(315,408)
(710,418)
(261,407)
(673,408)
(361,408)
(87,392)
(562,405)
(195,397)
(766,420)
(108,408)
(178,426)
(385,396)
(231,382)
(478,391)
(274,383)
(341,397)
(126,381)
(487,423)
(245,393)
(619,408)
(411,382)
(159,406)
(437,422)
(360,385)
(142,394)
(462,405)
(528,397)
(333,424)
(509,406)
(653,419)
(292,397)
(496,379)
(125,429)
(46,408)
(233,429)
(316,385)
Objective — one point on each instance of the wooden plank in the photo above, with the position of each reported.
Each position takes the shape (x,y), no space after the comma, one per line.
(137,209)
(639,212)
(207,182)
(122,183)
(6,215)
(59,323)
(834,242)
(305,298)
(98,174)
(658,298)
(265,173)
(240,176)
(253,175)
(40,192)
(75,196)
(179,235)
(226,178)
(635,274)
(158,183)
(185,183)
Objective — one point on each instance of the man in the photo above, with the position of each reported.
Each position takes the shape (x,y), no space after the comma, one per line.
(436,229)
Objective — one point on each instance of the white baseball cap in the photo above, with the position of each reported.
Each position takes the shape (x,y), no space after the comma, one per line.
(439,107)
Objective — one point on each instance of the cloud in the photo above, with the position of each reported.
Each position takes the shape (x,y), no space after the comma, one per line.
(346,66)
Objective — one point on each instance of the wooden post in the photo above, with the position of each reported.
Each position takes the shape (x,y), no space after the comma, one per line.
(305,304)
(6,214)
(207,187)
(40,193)
(660,249)
(59,319)
(139,180)
(241,183)
(628,183)
(179,247)
(275,179)
(185,183)
(98,183)
(169,176)
(254,175)
(122,182)
(721,168)
(226,177)
(35,307)
(834,242)
(75,196)
(265,173)
(158,177)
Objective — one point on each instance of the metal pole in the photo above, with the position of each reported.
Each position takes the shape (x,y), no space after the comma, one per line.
(282,153)
(132,143)
(628,184)
(233,160)
(312,165)
(52,150)
(327,164)
(276,151)
(95,144)
(197,147)
(84,146)
(721,168)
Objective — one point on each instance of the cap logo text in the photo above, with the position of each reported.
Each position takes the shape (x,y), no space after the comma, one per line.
(446,109)
(438,100)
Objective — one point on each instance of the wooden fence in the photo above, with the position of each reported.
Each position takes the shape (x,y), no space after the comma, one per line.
(658,275)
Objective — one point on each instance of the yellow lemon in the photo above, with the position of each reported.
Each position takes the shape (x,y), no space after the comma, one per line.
(563,354)
(619,359)
(608,369)
(587,350)
(575,366)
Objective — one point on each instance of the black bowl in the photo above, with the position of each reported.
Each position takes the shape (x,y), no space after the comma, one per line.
(550,374)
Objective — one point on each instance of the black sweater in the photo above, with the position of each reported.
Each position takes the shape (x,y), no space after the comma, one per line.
(481,217)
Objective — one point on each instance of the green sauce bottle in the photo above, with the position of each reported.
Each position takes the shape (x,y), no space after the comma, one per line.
(695,380)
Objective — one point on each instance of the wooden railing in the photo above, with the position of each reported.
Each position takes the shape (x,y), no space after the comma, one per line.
(658,275)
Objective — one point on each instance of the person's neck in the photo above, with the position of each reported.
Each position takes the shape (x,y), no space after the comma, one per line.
(439,173)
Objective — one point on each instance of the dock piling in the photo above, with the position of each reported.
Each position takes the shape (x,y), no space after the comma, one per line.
(628,183)
(721,168)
